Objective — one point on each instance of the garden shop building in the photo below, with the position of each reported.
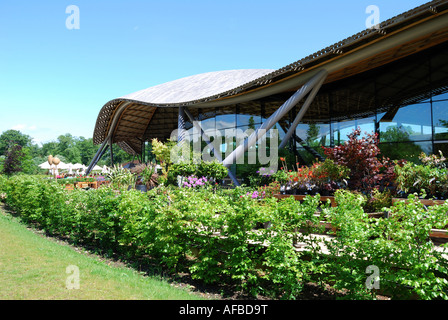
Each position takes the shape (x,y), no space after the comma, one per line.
(391,80)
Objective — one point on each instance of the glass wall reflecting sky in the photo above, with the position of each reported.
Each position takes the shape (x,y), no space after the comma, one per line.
(404,133)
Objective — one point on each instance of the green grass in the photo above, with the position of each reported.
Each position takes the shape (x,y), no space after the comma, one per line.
(33,267)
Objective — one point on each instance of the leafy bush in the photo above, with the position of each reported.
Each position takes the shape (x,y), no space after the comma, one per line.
(398,246)
(228,237)
(325,176)
(209,171)
(121,178)
(360,155)
(212,169)
(377,201)
(3,181)
(412,178)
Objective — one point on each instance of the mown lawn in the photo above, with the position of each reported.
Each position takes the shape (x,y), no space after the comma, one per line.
(33,267)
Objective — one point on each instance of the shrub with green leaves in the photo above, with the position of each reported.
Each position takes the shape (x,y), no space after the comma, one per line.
(121,177)
(412,178)
(398,246)
(225,236)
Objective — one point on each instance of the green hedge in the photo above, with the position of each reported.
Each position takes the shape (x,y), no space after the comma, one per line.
(217,236)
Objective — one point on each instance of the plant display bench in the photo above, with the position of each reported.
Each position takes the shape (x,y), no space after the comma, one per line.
(86,184)
(441,234)
(426,202)
(70,186)
(302,197)
(434,233)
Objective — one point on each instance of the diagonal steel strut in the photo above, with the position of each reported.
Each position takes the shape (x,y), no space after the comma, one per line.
(302,111)
(275,117)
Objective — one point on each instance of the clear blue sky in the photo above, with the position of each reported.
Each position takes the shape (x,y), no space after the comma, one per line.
(55,81)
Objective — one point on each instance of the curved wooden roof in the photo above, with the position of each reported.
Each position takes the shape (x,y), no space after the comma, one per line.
(152,112)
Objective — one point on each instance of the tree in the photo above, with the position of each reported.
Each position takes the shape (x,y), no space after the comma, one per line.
(405,149)
(10,137)
(360,156)
(87,149)
(66,141)
(13,160)
(72,155)
(48,148)
(251,123)
(312,134)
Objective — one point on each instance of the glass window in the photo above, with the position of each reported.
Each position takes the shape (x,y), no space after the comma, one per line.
(342,129)
(443,96)
(248,115)
(305,156)
(314,134)
(410,123)
(280,132)
(440,113)
(225,117)
(225,121)
(228,141)
(248,120)
(405,150)
(208,124)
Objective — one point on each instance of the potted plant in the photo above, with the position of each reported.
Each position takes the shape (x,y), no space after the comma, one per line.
(149,178)
(429,180)
(121,178)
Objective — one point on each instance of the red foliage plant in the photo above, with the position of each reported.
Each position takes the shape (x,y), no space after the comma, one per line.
(360,155)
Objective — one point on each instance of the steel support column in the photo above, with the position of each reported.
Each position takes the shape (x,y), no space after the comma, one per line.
(101,150)
(275,117)
(302,111)
(111,152)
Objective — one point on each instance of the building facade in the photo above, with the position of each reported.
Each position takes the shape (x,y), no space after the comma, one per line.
(392,81)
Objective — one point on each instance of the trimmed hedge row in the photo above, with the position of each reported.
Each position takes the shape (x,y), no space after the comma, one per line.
(218,237)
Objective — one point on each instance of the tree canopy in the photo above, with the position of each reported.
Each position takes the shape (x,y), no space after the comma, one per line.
(68,148)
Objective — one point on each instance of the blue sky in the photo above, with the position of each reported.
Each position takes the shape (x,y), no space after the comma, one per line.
(54,80)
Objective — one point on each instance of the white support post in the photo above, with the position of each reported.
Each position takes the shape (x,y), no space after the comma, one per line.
(302,112)
(274,118)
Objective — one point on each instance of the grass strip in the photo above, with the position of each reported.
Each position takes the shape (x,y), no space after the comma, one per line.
(33,267)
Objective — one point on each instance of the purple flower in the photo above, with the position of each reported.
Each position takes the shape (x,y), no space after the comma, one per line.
(195,182)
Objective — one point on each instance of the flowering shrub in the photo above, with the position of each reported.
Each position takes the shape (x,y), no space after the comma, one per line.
(193,182)
(433,160)
(326,176)
(256,194)
(211,170)
(330,176)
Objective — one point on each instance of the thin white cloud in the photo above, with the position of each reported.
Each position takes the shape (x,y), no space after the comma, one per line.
(19,127)
(24,127)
